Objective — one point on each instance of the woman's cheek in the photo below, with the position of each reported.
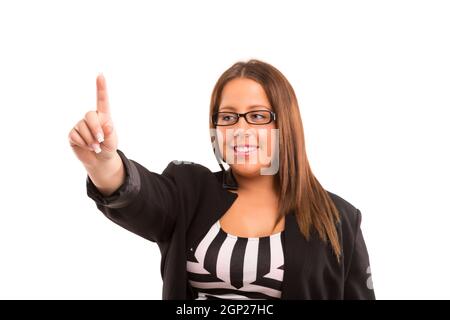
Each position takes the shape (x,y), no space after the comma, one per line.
(264,147)
(222,135)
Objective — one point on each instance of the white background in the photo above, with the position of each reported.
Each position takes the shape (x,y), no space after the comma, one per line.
(372,79)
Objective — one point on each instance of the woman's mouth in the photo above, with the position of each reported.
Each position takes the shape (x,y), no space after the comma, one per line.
(244,150)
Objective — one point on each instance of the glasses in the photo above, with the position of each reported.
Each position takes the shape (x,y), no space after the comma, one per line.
(257,117)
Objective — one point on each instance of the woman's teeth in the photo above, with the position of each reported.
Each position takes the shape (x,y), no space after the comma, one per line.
(245,149)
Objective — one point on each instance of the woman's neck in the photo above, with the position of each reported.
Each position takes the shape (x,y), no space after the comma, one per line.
(261,184)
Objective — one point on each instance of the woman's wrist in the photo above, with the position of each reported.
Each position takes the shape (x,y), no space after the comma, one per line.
(108,176)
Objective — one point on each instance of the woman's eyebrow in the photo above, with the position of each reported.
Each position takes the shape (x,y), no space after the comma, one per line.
(255,106)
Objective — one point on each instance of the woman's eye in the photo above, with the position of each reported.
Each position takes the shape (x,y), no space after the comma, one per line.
(258,116)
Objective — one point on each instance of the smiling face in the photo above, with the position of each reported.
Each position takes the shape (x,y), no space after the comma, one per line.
(247,148)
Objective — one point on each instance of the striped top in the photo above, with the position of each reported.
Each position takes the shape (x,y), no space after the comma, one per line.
(224,266)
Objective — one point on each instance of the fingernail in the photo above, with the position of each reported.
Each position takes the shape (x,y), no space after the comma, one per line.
(100,137)
(96,148)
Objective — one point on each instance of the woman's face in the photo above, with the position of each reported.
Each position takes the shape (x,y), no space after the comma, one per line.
(246,147)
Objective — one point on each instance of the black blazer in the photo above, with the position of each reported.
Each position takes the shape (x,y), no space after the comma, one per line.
(176,208)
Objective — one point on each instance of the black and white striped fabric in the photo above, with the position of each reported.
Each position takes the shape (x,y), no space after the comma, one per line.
(224,266)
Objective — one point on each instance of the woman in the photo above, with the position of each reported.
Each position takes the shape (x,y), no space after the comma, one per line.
(262,229)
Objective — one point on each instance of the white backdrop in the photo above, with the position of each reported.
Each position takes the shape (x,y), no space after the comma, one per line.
(372,79)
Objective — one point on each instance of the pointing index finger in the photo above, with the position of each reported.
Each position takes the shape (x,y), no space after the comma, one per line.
(102,95)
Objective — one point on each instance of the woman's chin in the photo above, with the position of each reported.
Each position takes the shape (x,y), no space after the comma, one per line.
(247,169)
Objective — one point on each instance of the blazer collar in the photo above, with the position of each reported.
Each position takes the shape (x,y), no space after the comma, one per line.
(228,179)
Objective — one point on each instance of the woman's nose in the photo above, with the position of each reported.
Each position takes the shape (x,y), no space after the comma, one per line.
(243,130)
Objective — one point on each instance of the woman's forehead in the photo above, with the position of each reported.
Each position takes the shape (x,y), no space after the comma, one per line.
(243,93)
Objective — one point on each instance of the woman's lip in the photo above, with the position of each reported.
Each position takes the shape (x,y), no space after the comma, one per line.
(244,145)
(244,149)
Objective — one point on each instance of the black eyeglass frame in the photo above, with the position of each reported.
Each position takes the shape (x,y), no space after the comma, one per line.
(244,115)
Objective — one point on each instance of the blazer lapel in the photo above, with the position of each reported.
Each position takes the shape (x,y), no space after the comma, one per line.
(296,253)
(219,199)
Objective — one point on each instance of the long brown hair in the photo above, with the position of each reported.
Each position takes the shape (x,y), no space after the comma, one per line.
(298,189)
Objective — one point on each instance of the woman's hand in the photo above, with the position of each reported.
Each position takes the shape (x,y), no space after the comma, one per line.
(93,138)
(94,141)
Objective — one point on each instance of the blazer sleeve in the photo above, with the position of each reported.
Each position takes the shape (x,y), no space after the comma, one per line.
(144,204)
(358,282)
